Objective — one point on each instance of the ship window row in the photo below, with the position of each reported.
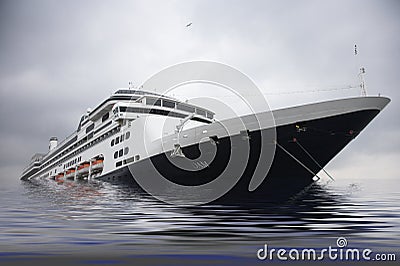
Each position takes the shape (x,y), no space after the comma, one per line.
(169,104)
(73,162)
(128,160)
(103,119)
(90,128)
(60,153)
(121,152)
(160,102)
(153,101)
(200,112)
(185,107)
(97,140)
(150,111)
(113,98)
(120,139)
(80,150)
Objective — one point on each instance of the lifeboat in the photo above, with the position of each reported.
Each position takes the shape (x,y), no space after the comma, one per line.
(70,173)
(59,177)
(83,168)
(97,165)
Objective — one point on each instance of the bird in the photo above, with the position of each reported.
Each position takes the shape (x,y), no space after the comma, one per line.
(188,25)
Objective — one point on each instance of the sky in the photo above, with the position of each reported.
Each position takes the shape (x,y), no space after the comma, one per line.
(57,58)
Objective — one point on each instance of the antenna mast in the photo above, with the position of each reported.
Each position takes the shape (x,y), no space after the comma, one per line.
(361,75)
(362,81)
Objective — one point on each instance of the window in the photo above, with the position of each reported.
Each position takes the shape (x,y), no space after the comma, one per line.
(134,110)
(200,112)
(169,104)
(129,160)
(117,140)
(112,142)
(210,115)
(153,101)
(118,164)
(105,117)
(120,153)
(127,135)
(126,150)
(116,155)
(185,107)
(89,128)
(137,157)
(122,137)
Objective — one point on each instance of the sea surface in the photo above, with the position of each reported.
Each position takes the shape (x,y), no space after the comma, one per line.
(86,223)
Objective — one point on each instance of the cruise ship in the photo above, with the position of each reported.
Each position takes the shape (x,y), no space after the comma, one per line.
(138,135)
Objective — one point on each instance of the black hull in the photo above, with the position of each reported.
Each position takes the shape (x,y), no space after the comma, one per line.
(323,138)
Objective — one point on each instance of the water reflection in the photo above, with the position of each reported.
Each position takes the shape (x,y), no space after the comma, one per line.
(65,217)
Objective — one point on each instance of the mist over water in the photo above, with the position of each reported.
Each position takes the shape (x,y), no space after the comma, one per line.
(78,219)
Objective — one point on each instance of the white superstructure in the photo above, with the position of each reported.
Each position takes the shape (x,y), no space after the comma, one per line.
(111,135)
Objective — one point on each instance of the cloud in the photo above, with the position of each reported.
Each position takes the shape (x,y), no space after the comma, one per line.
(359,165)
(58,58)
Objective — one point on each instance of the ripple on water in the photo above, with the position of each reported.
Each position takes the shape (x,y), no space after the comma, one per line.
(42,217)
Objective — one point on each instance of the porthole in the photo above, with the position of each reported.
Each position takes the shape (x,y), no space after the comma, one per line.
(127,135)
(126,150)
(116,155)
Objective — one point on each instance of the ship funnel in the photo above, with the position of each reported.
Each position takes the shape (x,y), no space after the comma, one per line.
(53,143)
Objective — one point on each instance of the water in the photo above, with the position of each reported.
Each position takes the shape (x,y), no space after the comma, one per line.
(89,223)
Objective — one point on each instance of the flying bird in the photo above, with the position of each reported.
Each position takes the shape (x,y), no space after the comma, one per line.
(188,25)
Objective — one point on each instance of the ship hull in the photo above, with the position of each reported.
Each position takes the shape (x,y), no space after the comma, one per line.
(301,151)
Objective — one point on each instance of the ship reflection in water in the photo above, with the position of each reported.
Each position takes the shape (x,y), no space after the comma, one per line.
(45,218)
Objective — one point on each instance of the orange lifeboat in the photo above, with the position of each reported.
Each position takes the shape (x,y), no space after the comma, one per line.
(83,168)
(59,178)
(70,173)
(97,165)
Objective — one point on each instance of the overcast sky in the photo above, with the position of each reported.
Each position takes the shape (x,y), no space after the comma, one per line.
(58,58)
